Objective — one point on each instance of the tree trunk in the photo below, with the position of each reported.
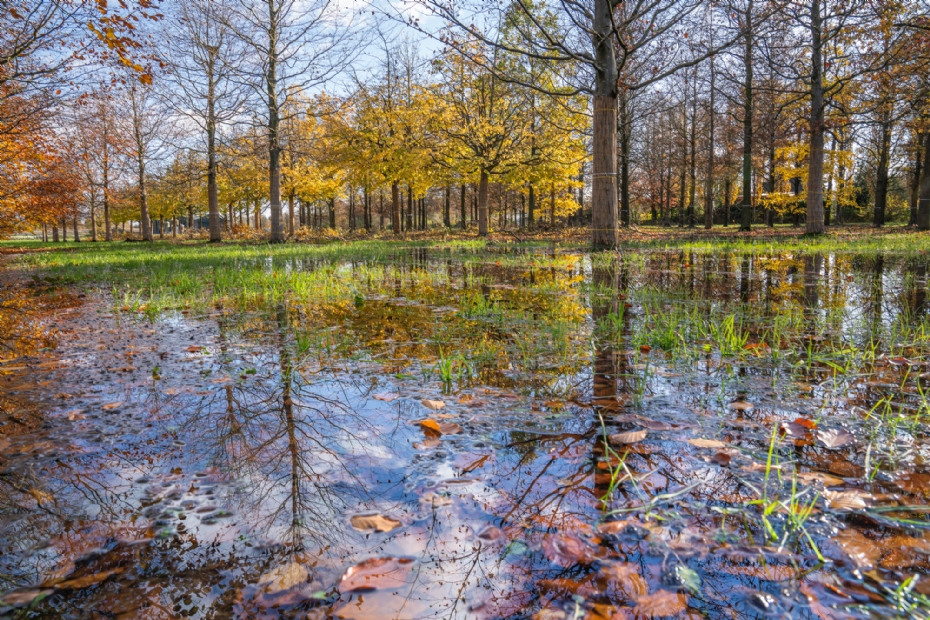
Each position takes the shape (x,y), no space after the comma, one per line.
(74,222)
(55,232)
(624,129)
(604,161)
(692,197)
(213,202)
(915,184)
(290,214)
(93,216)
(709,182)
(409,212)
(463,210)
(446,215)
(483,203)
(815,166)
(923,200)
(395,208)
(881,176)
(746,210)
(274,122)
(332,213)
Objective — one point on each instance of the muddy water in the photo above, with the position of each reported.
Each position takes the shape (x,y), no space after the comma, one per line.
(593,450)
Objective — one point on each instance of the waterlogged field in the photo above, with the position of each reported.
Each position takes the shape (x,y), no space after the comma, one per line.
(461,430)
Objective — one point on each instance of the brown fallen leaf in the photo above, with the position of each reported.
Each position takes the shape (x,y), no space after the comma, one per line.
(660,604)
(654,425)
(111,406)
(625,579)
(721,458)
(378,523)
(707,443)
(863,551)
(740,405)
(171,391)
(194,349)
(835,438)
(443,428)
(565,550)
(18,598)
(88,580)
(75,415)
(284,577)
(629,437)
(816,476)
(434,405)
(376,574)
(387,397)
(846,500)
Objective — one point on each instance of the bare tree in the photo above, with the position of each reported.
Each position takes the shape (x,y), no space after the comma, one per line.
(204,56)
(294,46)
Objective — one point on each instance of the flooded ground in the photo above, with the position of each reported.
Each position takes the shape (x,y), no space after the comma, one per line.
(435,433)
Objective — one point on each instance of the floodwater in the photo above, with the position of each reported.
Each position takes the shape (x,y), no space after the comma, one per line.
(549,436)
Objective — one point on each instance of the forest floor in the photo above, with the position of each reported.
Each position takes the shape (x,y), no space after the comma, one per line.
(733,425)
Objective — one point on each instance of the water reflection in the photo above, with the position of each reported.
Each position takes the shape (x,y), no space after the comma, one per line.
(217,472)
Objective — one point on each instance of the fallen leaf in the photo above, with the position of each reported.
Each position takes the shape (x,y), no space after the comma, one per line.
(863,551)
(846,500)
(835,438)
(171,391)
(434,405)
(625,578)
(435,500)
(378,523)
(75,415)
(88,580)
(566,550)
(629,437)
(740,405)
(645,349)
(194,349)
(816,476)
(767,572)
(18,598)
(721,458)
(443,428)
(387,397)
(707,443)
(491,534)
(654,425)
(111,406)
(799,429)
(284,577)
(376,574)
(660,604)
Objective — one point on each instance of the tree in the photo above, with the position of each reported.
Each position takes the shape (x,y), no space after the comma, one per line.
(203,58)
(295,46)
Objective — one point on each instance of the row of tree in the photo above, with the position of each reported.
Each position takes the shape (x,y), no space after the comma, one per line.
(607,113)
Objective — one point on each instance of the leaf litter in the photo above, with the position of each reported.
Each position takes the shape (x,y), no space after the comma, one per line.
(529,476)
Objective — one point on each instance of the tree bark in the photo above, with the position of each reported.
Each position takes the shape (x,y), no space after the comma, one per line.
(881,175)
(709,182)
(463,210)
(395,208)
(923,200)
(624,128)
(915,184)
(815,166)
(746,209)
(604,175)
(274,122)
(93,216)
(446,217)
(213,202)
(483,203)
